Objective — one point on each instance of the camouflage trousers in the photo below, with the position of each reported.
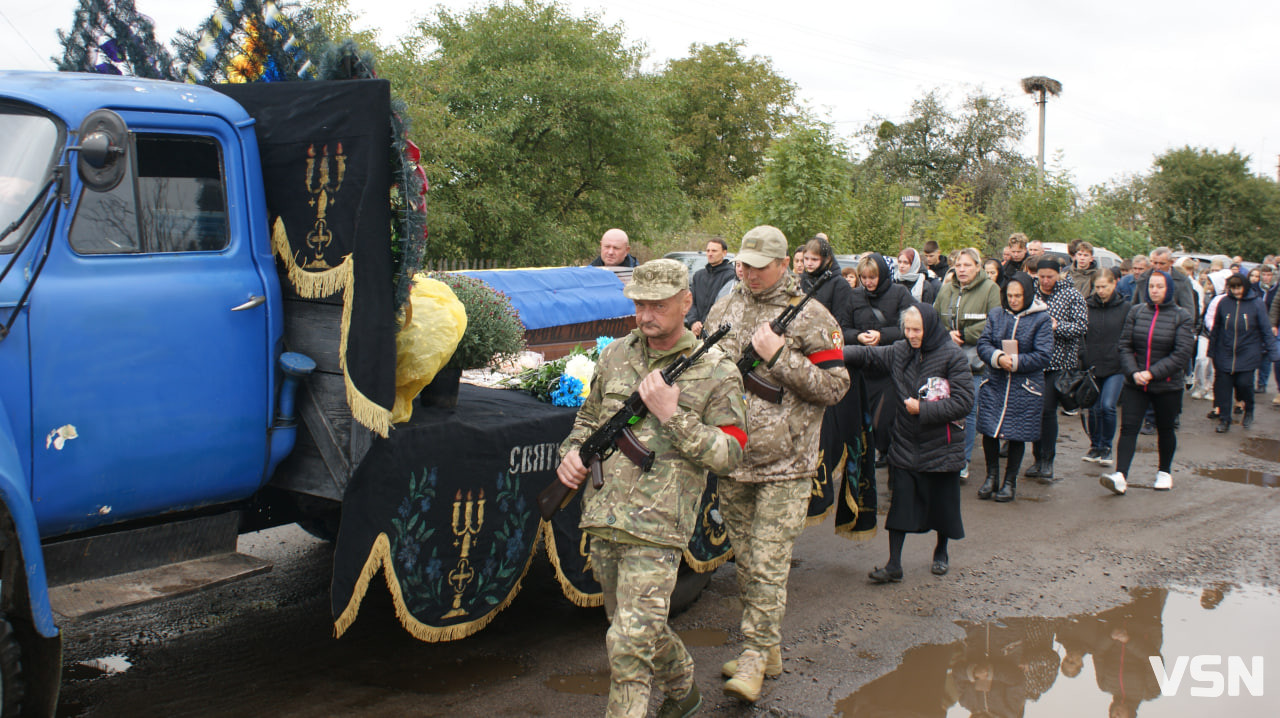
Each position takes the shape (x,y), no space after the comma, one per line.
(763,521)
(637,583)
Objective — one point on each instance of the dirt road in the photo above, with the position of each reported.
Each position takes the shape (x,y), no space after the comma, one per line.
(263,647)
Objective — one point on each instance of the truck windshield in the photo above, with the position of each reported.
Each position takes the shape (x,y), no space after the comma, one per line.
(26,155)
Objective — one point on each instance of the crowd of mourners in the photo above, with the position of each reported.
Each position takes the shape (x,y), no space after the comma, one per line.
(1147,330)
(936,351)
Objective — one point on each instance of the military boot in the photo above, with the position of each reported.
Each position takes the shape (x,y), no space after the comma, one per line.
(772,665)
(682,708)
(747,680)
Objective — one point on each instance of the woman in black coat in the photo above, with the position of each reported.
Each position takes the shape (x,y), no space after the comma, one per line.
(877,305)
(1156,344)
(836,295)
(1107,311)
(932,393)
(1239,342)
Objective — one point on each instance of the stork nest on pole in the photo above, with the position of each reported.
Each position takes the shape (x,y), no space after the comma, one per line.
(1039,83)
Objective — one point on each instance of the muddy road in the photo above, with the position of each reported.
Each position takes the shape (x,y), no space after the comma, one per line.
(1043,596)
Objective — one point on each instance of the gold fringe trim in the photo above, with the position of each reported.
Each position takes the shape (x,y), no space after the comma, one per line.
(815,520)
(707,566)
(380,558)
(845,530)
(571,592)
(315,285)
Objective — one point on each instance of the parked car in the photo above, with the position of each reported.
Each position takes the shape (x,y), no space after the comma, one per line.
(1103,256)
(693,260)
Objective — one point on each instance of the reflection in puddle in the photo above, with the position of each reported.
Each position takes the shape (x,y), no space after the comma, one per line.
(450,677)
(1095,665)
(585,684)
(704,637)
(1260,448)
(1242,476)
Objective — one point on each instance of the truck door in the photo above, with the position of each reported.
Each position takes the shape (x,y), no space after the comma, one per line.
(149,341)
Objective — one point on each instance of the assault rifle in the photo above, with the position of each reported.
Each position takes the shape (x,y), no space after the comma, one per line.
(616,434)
(750,359)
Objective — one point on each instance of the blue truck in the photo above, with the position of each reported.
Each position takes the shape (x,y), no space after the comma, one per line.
(150,410)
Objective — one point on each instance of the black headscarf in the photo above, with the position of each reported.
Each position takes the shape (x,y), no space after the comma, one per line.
(935,335)
(1028,291)
(886,277)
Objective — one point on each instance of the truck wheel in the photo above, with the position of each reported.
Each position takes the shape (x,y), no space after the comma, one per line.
(13,688)
(324,528)
(319,517)
(689,585)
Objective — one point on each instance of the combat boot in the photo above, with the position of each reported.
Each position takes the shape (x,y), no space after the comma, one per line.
(772,665)
(683,708)
(1009,489)
(989,486)
(747,680)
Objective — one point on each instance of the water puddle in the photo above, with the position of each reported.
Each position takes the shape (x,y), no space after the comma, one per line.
(1097,665)
(1242,476)
(1260,448)
(583,684)
(704,637)
(450,677)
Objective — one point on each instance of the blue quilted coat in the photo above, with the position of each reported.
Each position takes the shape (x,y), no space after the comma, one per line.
(1009,403)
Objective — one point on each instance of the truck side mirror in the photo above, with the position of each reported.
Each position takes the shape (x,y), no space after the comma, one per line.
(101,159)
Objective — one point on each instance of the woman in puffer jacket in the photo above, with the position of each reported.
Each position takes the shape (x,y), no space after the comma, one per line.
(1156,343)
(931,390)
(1240,339)
(1010,398)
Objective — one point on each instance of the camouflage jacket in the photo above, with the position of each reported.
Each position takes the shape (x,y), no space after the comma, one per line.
(661,506)
(810,369)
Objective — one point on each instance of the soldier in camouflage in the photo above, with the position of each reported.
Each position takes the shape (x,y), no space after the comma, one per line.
(639,522)
(765,501)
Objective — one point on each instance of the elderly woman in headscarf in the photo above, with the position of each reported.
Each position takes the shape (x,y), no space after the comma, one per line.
(1017,344)
(932,392)
(913,275)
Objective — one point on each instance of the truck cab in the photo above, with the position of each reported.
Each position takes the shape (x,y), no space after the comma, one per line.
(140,319)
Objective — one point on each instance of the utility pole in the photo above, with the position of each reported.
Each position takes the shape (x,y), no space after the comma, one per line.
(1040,86)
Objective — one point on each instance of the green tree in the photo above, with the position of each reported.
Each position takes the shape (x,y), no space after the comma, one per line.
(875,218)
(954,224)
(804,187)
(724,110)
(1206,200)
(935,148)
(1102,226)
(1046,214)
(539,133)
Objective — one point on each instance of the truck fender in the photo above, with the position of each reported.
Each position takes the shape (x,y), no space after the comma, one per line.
(16,499)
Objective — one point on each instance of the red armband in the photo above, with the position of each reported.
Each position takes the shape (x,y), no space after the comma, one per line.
(827,358)
(736,433)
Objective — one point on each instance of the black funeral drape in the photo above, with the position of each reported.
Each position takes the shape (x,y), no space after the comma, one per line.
(325,153)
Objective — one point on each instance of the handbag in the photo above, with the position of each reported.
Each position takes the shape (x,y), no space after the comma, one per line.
(1076,389)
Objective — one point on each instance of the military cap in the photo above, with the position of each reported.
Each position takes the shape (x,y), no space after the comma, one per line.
(657,279)
(762,245)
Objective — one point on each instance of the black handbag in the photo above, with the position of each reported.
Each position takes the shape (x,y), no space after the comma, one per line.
(1076,389)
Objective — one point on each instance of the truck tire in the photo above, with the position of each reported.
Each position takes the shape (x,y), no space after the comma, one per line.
(13,687)
(319,517)
(689,585)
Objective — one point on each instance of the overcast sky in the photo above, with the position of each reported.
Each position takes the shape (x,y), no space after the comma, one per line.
(1139,76)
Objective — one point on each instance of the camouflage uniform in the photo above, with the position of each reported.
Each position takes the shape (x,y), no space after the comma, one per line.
(641,522)
(765,502)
